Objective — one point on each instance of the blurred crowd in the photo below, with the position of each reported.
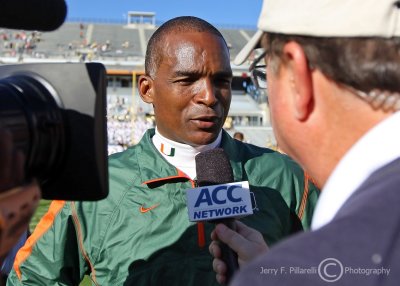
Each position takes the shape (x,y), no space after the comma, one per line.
(18,42)
(124,126)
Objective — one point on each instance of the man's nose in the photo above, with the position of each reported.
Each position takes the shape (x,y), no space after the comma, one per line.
(207,94)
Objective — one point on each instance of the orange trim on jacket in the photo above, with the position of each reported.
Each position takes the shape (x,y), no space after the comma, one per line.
(180,175)
(303,204)
(201,236)
(45,223)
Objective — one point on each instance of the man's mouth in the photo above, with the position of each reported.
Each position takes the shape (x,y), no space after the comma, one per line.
(206,121)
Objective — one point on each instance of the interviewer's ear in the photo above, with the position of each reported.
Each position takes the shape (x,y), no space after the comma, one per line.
(146,88)
(300,80)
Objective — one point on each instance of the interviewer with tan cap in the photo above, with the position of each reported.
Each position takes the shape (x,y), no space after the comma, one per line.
(333,70)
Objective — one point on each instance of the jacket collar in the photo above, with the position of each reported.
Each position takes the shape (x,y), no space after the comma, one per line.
(155,169)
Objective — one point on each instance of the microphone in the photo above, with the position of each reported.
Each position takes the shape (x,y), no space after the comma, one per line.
(35,15)
(218,199)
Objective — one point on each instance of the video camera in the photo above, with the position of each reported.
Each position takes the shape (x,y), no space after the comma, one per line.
(56,114)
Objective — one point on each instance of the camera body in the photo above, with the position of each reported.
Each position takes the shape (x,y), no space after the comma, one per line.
(56,113)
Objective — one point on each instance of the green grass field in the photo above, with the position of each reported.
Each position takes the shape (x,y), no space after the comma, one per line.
(40,211)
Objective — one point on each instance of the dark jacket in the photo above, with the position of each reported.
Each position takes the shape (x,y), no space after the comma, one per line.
(360,246)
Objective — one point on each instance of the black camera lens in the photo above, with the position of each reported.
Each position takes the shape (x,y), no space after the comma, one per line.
(31,109)
(56,113)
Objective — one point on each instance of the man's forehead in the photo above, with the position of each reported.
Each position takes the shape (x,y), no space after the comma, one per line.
(192,41)
(189,50)
(186,51)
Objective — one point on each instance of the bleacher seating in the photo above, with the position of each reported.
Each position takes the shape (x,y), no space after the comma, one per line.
(122,46)
(148,33)
(61,38)
(120,38)
(73,38)
(235,41)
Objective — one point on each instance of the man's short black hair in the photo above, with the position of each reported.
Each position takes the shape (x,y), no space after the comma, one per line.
(176,25)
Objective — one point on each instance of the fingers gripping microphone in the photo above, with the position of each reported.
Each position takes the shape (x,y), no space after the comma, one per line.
(213,168)
(218,198)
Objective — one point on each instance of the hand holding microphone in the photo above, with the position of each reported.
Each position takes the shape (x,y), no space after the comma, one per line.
(218,199)
(247,243)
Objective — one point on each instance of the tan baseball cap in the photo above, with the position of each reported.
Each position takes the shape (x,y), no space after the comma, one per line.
(326,18)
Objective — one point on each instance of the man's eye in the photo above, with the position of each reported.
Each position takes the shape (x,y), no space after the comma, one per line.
(186,80)
(223,81)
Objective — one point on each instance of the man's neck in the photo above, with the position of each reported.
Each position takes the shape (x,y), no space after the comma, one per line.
(182,156)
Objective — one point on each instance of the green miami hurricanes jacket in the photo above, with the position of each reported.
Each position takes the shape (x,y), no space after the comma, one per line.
(140,234)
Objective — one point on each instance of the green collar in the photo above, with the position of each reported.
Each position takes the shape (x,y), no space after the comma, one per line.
(154,168)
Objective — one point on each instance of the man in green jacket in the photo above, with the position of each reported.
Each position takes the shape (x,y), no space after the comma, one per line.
(141,234)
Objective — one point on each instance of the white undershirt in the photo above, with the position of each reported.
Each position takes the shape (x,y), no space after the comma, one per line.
(378,147)
(182,156)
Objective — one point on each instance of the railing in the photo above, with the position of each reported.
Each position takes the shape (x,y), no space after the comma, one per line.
(158,23)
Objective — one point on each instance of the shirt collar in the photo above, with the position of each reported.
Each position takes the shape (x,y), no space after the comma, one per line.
(180,155)
(154,167)
(375,149)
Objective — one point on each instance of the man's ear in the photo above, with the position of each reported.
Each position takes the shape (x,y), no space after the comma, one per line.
(146,88)
(300,77)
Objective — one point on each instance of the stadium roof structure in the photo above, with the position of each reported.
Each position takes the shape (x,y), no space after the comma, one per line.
(141,18)
(138,13)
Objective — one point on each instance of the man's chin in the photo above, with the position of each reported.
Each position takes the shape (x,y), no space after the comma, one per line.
(203,137)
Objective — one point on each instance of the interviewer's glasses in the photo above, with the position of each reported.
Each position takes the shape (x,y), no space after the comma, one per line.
(259,71)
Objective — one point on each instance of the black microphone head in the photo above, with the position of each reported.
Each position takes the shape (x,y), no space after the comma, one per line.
(33,15)
(213,168)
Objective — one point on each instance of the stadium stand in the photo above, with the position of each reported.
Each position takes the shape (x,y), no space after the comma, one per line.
(121,48)
(148,33)
(68,34)
(117,38)
(235,40)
